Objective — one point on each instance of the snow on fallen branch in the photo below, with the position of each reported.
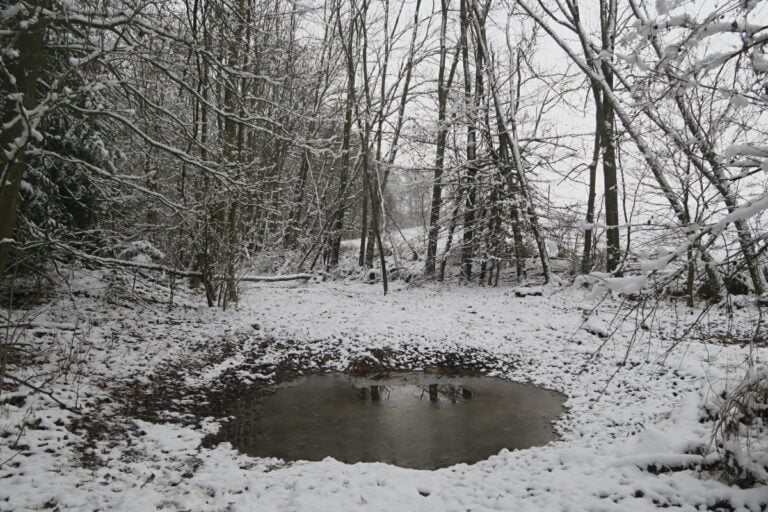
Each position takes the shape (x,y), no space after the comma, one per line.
(180,273)
(38,389)
(274,279)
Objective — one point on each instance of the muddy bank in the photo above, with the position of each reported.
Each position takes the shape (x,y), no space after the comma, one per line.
(168,396)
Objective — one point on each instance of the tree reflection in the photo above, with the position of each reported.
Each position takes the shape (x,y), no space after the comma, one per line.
(449,392)
(374,393)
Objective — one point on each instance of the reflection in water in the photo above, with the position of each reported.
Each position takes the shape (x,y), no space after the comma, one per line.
(373,392)
(433,392)
(412,420)
(450,392)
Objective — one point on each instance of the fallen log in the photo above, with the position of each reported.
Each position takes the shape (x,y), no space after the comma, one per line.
(185,273)
(135,264)
(274,279)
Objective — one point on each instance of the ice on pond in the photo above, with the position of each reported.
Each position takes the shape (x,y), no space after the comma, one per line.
(411,420)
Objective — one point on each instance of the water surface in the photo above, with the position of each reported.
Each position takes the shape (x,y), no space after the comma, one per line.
(412,420)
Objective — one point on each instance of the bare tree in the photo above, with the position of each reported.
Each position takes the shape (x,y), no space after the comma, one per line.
(444,81)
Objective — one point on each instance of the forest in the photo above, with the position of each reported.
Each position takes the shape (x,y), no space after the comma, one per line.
(208,199)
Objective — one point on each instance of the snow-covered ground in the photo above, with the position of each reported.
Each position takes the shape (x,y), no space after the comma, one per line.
(633,420)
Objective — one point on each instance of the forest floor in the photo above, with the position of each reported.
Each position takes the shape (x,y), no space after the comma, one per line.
(134,389)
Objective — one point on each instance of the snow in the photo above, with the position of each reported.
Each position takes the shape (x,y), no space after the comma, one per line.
(629,284)
(735,150)
(751,209)
(628,410)
(11,11)
(597,326)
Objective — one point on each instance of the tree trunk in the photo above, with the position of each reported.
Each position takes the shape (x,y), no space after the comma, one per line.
(586,259)
(338,225)
(470,104)
(449,240)
(25,70)
(361,260)
(608,140)
(443,85)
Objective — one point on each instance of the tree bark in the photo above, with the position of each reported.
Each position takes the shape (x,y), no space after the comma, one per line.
(25,70)
(443,85)
(608,140)
(338,225)
(586,259)
(470,105)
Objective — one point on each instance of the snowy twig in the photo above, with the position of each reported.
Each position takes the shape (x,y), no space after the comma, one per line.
(40,390)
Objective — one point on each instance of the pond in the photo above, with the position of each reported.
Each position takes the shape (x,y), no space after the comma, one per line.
(412,420)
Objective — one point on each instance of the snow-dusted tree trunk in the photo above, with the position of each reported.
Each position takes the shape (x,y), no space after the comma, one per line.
(471,107)
(18,84)
(444,80)
(348,36)
(607,137)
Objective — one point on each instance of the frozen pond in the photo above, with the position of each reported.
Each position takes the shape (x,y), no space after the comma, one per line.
(412,420)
